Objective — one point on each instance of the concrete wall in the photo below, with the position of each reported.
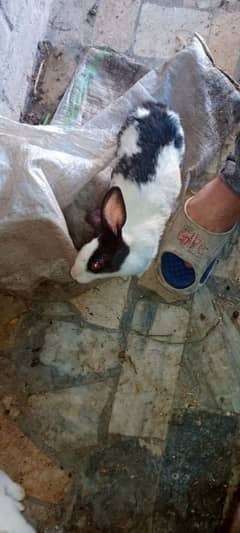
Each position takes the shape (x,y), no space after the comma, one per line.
(22,24)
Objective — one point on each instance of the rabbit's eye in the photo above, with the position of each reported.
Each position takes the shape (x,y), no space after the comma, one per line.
(97,266)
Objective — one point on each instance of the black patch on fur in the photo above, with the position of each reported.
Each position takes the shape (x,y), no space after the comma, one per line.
(111,252)
(156,130)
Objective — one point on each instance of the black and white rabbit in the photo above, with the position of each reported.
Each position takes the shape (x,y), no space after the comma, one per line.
(145,185)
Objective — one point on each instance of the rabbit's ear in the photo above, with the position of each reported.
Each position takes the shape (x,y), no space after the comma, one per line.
(113,212)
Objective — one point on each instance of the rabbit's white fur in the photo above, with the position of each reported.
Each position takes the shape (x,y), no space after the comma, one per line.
(11,495)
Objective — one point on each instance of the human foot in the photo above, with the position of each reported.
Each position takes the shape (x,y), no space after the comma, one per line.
(215,207)
(191,246)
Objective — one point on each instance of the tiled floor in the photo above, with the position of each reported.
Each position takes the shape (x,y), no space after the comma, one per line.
(125,417)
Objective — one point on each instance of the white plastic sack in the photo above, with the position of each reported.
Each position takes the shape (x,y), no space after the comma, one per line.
(63,169)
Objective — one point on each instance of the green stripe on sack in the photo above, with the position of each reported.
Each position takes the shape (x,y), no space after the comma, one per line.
(81,88)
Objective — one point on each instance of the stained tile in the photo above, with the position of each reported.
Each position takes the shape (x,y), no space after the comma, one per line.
(225,40)
(152,41)
(210,370)
(205,315)
(228,268)
(12,313)
(69,23)
(169,3)
(76,419)
(195,472)
(63,351)
(115,24)
(45,517)
(77,351)
(202,4)
(144,397)
(170,323)
(104,304)
(117,489)
(29,466)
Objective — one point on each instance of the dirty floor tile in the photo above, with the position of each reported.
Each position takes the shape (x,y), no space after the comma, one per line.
(144,397)
(115,24)
(103,305)
(210,371)
(77,414)
(77,351)
(118,487)
(152,40)
(195,473)
(226,50)
(29,466)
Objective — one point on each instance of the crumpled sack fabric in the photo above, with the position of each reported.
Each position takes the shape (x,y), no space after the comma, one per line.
(51,176)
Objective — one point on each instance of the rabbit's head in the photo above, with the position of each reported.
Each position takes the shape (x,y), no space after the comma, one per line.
(105,255)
